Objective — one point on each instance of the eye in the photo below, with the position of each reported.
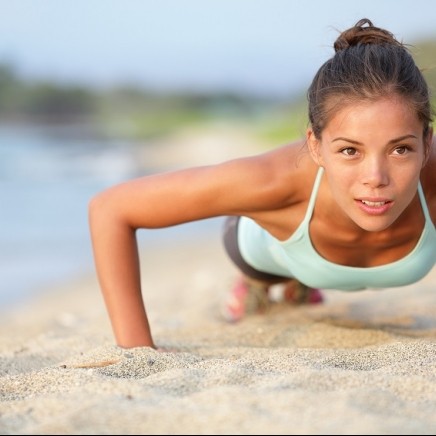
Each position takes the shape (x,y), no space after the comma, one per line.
(403,149)
(349,151)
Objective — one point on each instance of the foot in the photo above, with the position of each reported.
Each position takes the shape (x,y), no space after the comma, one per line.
(245,298)
(297,293)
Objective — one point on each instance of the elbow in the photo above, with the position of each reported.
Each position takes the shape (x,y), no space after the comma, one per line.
(95,209)
(101,210)
(107,211)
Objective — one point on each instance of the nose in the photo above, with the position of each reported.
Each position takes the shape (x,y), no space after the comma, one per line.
(375,172)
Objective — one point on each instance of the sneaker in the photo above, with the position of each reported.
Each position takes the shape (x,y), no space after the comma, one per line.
(297,293)
(244,298)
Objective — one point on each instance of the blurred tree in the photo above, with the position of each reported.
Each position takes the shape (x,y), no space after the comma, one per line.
(424,53)
(50,101)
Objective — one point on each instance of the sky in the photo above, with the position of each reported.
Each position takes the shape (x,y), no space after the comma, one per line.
(264,47)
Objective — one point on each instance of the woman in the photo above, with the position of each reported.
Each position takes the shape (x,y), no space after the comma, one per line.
(350,207)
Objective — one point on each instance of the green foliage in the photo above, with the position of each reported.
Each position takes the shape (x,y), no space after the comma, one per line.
(12,91)
(60,103)
(282,124)
(42,100)
(135,113)
(132,112)
(424,53)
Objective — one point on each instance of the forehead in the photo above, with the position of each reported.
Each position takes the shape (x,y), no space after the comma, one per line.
(393,116)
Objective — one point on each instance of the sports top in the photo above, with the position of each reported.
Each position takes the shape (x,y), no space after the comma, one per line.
(297,258)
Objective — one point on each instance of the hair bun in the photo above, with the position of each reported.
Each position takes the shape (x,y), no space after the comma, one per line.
(364,32)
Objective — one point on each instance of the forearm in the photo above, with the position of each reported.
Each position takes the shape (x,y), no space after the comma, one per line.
(117,265)
(157,201)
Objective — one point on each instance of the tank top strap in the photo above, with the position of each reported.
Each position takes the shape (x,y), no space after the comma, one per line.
(424,203)
(313,195)
(315,190)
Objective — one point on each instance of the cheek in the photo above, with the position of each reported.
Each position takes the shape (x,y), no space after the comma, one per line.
(408,187)
(340,183)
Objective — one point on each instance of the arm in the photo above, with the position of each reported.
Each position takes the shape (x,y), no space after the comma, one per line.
(149,202)
(117,265)
(232,188)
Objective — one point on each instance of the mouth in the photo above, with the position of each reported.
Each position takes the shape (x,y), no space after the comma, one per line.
(374,203)
(374,207)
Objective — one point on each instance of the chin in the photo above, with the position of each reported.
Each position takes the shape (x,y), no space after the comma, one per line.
(374,224)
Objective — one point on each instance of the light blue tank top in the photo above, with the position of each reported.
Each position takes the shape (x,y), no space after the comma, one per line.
(296,257)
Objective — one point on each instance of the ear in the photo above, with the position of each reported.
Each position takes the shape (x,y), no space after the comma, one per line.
(314,147)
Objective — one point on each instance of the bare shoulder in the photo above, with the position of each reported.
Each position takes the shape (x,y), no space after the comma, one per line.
(279,176)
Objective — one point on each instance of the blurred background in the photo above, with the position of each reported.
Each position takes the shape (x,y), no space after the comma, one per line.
(96,92)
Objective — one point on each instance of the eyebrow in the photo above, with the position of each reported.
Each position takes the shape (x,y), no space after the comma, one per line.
(392,141)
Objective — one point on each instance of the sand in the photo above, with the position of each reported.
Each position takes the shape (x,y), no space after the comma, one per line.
(357,364)
(360,363)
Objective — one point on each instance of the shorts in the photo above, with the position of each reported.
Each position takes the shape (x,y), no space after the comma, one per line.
(230,240)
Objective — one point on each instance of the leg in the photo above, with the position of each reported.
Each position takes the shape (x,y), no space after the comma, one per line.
(245,297)
(297,293)
(250,291)
(249,296)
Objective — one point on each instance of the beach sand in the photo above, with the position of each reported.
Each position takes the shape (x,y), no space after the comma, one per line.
(360,363)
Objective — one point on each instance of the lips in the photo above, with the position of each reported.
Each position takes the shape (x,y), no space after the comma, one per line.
(374,206)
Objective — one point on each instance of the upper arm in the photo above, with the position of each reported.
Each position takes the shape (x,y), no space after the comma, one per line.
(236,187)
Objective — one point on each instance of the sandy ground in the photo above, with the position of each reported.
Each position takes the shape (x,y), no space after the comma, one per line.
(362,363)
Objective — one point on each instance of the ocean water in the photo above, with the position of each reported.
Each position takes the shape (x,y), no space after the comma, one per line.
(47,178)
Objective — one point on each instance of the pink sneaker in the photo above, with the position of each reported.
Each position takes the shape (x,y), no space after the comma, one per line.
(297,293)
(244,298)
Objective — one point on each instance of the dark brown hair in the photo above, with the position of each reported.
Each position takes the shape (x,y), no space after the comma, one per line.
(369,63)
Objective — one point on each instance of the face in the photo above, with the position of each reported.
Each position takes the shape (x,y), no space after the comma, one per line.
(372,154)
